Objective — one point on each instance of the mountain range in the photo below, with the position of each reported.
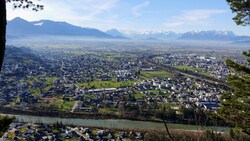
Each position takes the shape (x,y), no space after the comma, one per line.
(20,27)
(213,35)
(152,35)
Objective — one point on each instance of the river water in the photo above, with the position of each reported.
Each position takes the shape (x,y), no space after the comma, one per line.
(108,123)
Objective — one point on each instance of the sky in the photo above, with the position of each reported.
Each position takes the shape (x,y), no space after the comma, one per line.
(137,15)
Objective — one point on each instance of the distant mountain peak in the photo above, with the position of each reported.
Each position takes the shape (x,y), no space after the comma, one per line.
(152,34)
(225,32)
(115,33)
(18,19)
(208,35)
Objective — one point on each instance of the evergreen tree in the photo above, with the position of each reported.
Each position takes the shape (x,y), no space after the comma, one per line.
(235,108)
(242,10)
(4,124)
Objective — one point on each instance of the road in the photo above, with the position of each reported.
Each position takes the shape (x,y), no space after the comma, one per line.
(76,105)
(78,133)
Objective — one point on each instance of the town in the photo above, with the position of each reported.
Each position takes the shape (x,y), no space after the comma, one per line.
(125,70)
(58,131)
(109,83)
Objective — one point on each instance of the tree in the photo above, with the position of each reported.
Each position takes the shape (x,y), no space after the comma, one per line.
(25,4)
(235,108)
(2,30)
(5,121)
(242,10)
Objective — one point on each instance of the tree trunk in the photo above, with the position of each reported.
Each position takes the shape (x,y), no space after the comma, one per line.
(166,126)
(2,30)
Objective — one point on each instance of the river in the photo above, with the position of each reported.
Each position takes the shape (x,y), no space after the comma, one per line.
(108,123)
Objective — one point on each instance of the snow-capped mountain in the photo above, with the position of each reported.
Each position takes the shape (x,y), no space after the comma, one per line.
(151,34)
(20,27)
(208,35)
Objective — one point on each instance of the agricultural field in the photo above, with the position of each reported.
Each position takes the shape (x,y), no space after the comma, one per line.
(189,68)
(36,91)
(58,104)
(158,58)
(106,84)
(138,94)
(153,74)
(197,70)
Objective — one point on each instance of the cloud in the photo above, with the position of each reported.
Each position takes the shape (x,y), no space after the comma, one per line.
(197,17)
(136,10)
(103,6)
(73,11)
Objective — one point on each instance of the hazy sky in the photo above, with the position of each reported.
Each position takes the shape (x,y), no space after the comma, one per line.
(137,15)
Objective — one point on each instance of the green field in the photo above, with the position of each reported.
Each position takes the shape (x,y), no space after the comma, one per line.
(62,106)
(198,70)
(115,56)
(110,111)
(152,74)
(50,80)
(138,94)
(158,58)
(31,79)
(156,92)
(89,96)
(36,91)
(189,68)
(106,84)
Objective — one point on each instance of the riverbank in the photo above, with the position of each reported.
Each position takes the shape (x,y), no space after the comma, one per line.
(6,110)
(95,117)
